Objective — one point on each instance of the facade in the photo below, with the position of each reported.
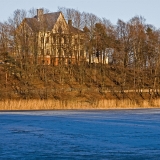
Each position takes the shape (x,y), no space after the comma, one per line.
(48,39)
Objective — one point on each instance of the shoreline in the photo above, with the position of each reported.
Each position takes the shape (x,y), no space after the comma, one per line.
(46,105)
(75,110)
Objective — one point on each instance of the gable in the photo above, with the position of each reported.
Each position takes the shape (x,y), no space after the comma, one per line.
(25,27)
(50,20)
(60,24)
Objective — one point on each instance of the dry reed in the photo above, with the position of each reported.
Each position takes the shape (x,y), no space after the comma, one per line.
(65,105)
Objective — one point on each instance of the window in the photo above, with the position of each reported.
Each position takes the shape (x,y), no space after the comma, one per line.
(54,39)
(59,40)
(47,39)
(48,52)
(42,40)
(82,53)
(60,29)
(81,41)
(42,51)
(66,40)
(76,41)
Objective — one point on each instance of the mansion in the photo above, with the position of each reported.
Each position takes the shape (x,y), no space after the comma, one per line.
(48,39)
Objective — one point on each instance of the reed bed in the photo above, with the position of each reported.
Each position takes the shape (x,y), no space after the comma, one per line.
(79,105)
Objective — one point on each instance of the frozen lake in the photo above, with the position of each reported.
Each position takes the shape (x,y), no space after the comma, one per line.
(80,135)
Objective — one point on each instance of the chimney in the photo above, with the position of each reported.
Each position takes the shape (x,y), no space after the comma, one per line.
(39,14)
(70,22)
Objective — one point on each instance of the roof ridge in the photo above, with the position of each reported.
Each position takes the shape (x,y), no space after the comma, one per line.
(52,13)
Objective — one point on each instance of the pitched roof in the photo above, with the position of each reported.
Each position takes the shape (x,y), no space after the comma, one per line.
(49,21)
(75,30)
(33,23)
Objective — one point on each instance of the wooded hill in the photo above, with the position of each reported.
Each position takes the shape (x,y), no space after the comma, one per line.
(133,72)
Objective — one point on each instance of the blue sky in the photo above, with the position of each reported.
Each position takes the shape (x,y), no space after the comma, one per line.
(110,9)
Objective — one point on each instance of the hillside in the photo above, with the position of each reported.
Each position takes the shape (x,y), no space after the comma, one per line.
(79,81)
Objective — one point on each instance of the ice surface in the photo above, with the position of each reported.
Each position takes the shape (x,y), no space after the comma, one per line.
(114,134)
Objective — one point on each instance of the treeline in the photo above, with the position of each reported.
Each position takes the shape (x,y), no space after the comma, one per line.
(133,62)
